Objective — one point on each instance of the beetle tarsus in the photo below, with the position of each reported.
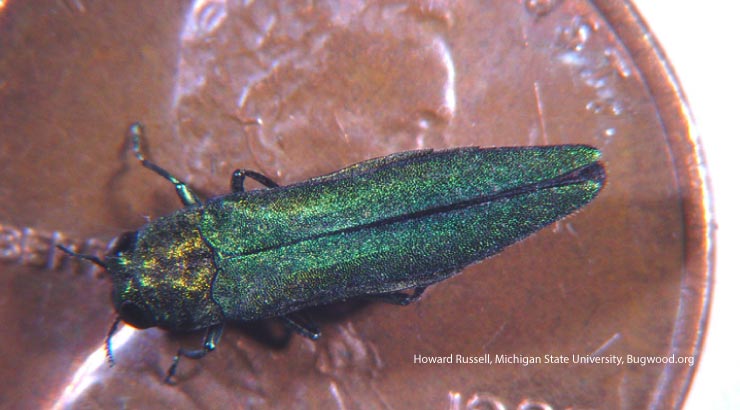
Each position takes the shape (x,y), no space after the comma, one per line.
(108,344)
(400,298)
(211,339)
(237,179)
(187,196)
(303,328)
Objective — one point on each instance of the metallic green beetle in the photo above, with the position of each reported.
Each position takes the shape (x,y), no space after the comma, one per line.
(379,227)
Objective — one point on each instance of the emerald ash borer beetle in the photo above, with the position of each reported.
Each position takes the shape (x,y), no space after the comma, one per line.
(376,228)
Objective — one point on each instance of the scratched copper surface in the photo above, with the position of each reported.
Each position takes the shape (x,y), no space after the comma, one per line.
(299,88)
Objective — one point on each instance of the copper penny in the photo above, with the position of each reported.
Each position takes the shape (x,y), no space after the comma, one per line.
(605,309)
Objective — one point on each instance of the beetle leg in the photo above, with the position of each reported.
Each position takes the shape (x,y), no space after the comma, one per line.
(213,335)
(108,344)
(400,298)
(237,179)
(187,196)
(308,330)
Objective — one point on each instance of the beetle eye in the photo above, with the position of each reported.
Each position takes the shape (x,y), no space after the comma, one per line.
(123,243)
(136,316)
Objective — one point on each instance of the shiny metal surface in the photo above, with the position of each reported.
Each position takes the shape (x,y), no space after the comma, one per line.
(299,89)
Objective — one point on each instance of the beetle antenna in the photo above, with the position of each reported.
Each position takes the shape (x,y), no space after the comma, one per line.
(108,347)
(92,258)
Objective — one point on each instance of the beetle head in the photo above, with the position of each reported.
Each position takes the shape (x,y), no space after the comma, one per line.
(127,298)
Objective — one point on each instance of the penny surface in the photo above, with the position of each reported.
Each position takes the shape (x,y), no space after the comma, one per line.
(603,310)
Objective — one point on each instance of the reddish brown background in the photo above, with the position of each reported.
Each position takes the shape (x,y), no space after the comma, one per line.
(297,89)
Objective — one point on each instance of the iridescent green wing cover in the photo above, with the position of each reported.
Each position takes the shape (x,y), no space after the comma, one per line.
(401,221)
